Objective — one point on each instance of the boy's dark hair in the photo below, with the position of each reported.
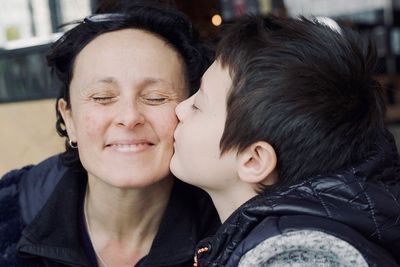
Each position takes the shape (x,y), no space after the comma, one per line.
(159,19)
(305,89)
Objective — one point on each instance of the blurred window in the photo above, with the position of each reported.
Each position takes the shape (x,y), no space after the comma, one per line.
(27,29)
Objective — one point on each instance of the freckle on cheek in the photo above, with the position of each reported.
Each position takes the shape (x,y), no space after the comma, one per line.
(172,126)
(90,126)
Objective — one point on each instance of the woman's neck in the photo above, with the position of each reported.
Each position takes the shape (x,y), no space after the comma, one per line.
(128,217)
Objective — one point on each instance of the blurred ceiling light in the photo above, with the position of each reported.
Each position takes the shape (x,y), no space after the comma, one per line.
(216,20)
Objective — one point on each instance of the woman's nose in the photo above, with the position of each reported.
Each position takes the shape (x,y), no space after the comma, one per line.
(129,114)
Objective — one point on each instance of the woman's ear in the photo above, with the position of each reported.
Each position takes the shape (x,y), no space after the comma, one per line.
(257,163)
(67,117)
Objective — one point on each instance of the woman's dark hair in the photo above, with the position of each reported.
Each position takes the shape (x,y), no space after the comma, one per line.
(306,89)
(159,19)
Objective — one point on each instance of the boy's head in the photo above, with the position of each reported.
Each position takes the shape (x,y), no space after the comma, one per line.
(286,99)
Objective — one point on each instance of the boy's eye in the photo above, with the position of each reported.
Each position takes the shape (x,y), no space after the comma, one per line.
(194,107)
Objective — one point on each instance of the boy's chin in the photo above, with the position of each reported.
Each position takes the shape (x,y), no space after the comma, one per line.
(177,171)
(174,167)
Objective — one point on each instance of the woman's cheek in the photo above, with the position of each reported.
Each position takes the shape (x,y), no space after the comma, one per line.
(168,121)
(91,125)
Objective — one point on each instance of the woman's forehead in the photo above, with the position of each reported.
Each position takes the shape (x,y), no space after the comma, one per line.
(129,56)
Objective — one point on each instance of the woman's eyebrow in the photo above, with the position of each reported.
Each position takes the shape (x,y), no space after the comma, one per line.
(149,81)
(145,82)
(106,80)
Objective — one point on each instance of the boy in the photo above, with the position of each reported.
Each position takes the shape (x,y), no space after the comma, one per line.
(287,136)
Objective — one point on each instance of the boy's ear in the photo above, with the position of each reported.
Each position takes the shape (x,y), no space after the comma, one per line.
(257,163)
(67,117)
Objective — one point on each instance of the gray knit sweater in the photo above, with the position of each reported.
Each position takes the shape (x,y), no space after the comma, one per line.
(303,248)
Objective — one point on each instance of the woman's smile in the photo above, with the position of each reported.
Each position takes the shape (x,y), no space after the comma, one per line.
(134,146)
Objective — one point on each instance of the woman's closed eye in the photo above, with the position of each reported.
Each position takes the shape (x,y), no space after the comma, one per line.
(155,99)
(104,100)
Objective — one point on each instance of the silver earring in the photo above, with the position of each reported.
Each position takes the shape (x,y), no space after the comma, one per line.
(72,144)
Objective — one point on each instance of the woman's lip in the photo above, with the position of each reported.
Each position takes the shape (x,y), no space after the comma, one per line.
(129,148)
(128,142)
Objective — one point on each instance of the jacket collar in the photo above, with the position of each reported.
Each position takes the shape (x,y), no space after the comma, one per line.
(189,217)
(54,233)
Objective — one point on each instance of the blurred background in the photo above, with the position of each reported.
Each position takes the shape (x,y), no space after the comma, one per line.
(28,27)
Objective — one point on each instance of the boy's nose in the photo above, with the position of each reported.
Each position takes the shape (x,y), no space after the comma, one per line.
(184,107)
(179,110)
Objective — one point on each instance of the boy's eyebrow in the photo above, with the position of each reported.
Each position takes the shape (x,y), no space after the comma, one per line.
(204,94)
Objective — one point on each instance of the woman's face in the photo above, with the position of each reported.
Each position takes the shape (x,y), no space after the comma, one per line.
(125,87)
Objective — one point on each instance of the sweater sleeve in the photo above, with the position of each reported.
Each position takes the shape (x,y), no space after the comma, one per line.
(10,218)
(302,249)
(13,177)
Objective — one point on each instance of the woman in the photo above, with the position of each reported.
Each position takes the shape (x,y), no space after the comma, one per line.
(112,201)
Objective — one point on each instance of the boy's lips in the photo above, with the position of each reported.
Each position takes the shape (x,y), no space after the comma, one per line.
(175,140)
(176,133)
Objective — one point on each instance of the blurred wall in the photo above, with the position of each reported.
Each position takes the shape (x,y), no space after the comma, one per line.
(28,133)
